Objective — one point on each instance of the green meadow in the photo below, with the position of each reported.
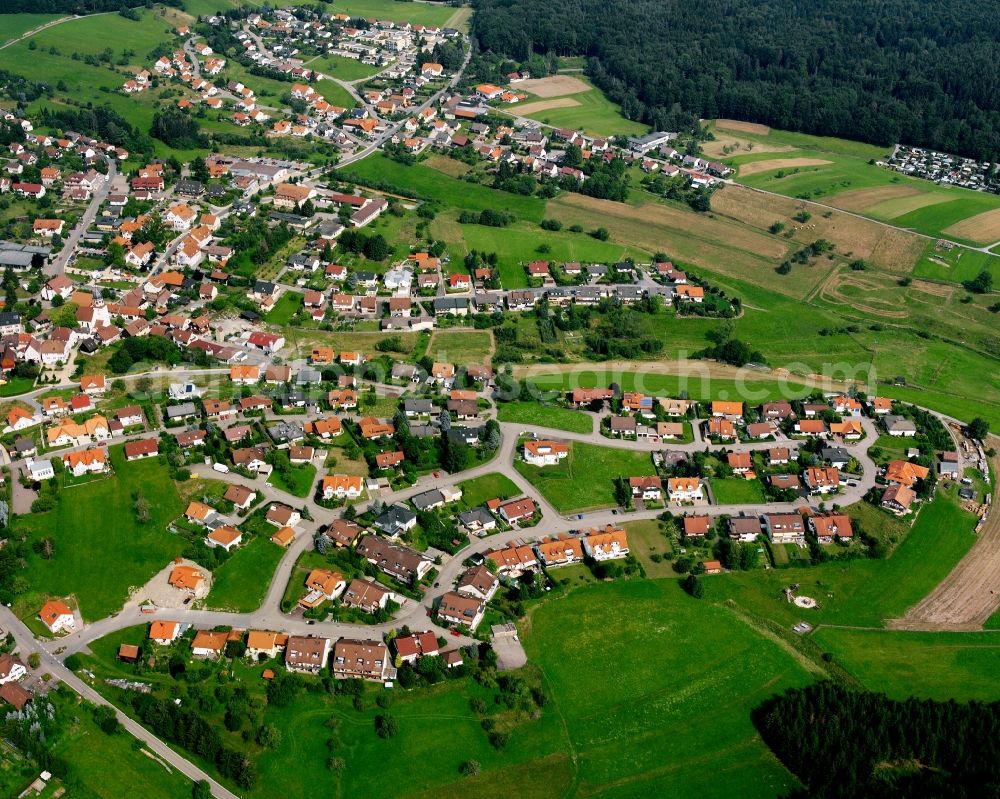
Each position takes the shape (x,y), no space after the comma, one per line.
(584,480)
(422,182)
(543,415)
(241,583)
(591,112)
(14,25)
(960,666)
(100,549)
(349,69)
(478,490)
(862,593)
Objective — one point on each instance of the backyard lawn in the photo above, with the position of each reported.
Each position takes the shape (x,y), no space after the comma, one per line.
(242,581)
(478,490)
(584,480)
(284,309)
(737,491)
(300,479)
(542,415)
(100,549)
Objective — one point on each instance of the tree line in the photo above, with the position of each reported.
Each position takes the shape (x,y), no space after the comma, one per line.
(922,72)
(844,743)
(72,6)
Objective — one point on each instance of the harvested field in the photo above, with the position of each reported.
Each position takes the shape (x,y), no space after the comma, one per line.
(860,199)
(553,86)
(743,127)
(745,170)
(984,227)
(543,105)
(891,208)
(884,246)
(653,214)
(448,166)
(715,244)
(738,146)
(970,594)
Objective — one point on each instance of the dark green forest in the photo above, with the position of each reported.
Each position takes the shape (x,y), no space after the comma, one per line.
(842,743)
(923,72)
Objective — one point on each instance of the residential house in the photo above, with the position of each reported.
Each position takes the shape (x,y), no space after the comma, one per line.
(545,452)
(611,543)
(560,551)
(361,659)
(306,654)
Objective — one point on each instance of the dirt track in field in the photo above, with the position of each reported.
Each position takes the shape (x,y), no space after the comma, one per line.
(743,127)
(553,86)
(778,163)
(970,594)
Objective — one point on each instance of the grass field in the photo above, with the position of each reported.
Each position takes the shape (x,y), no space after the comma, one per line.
(425,183)
(241,582)
(583,481)
(524,242)
(284,309)
(478,490)
(88,751)
(14,25)
(334,93)
(960,666)
(463,348)
(646,538)
(300,480)
(100,549)
(537,413)
(349,69)
(737,491)
(589,111)
(957,265)
(862,592)
(395,10)
(699,689)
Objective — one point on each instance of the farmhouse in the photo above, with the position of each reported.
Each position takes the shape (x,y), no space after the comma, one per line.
(514,560)
(57,617)
(415,645)
(403,563)
(684,489)
(517,510)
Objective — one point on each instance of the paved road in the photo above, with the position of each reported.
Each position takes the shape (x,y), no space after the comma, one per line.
(415,614)
(54,666)
(58,263)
